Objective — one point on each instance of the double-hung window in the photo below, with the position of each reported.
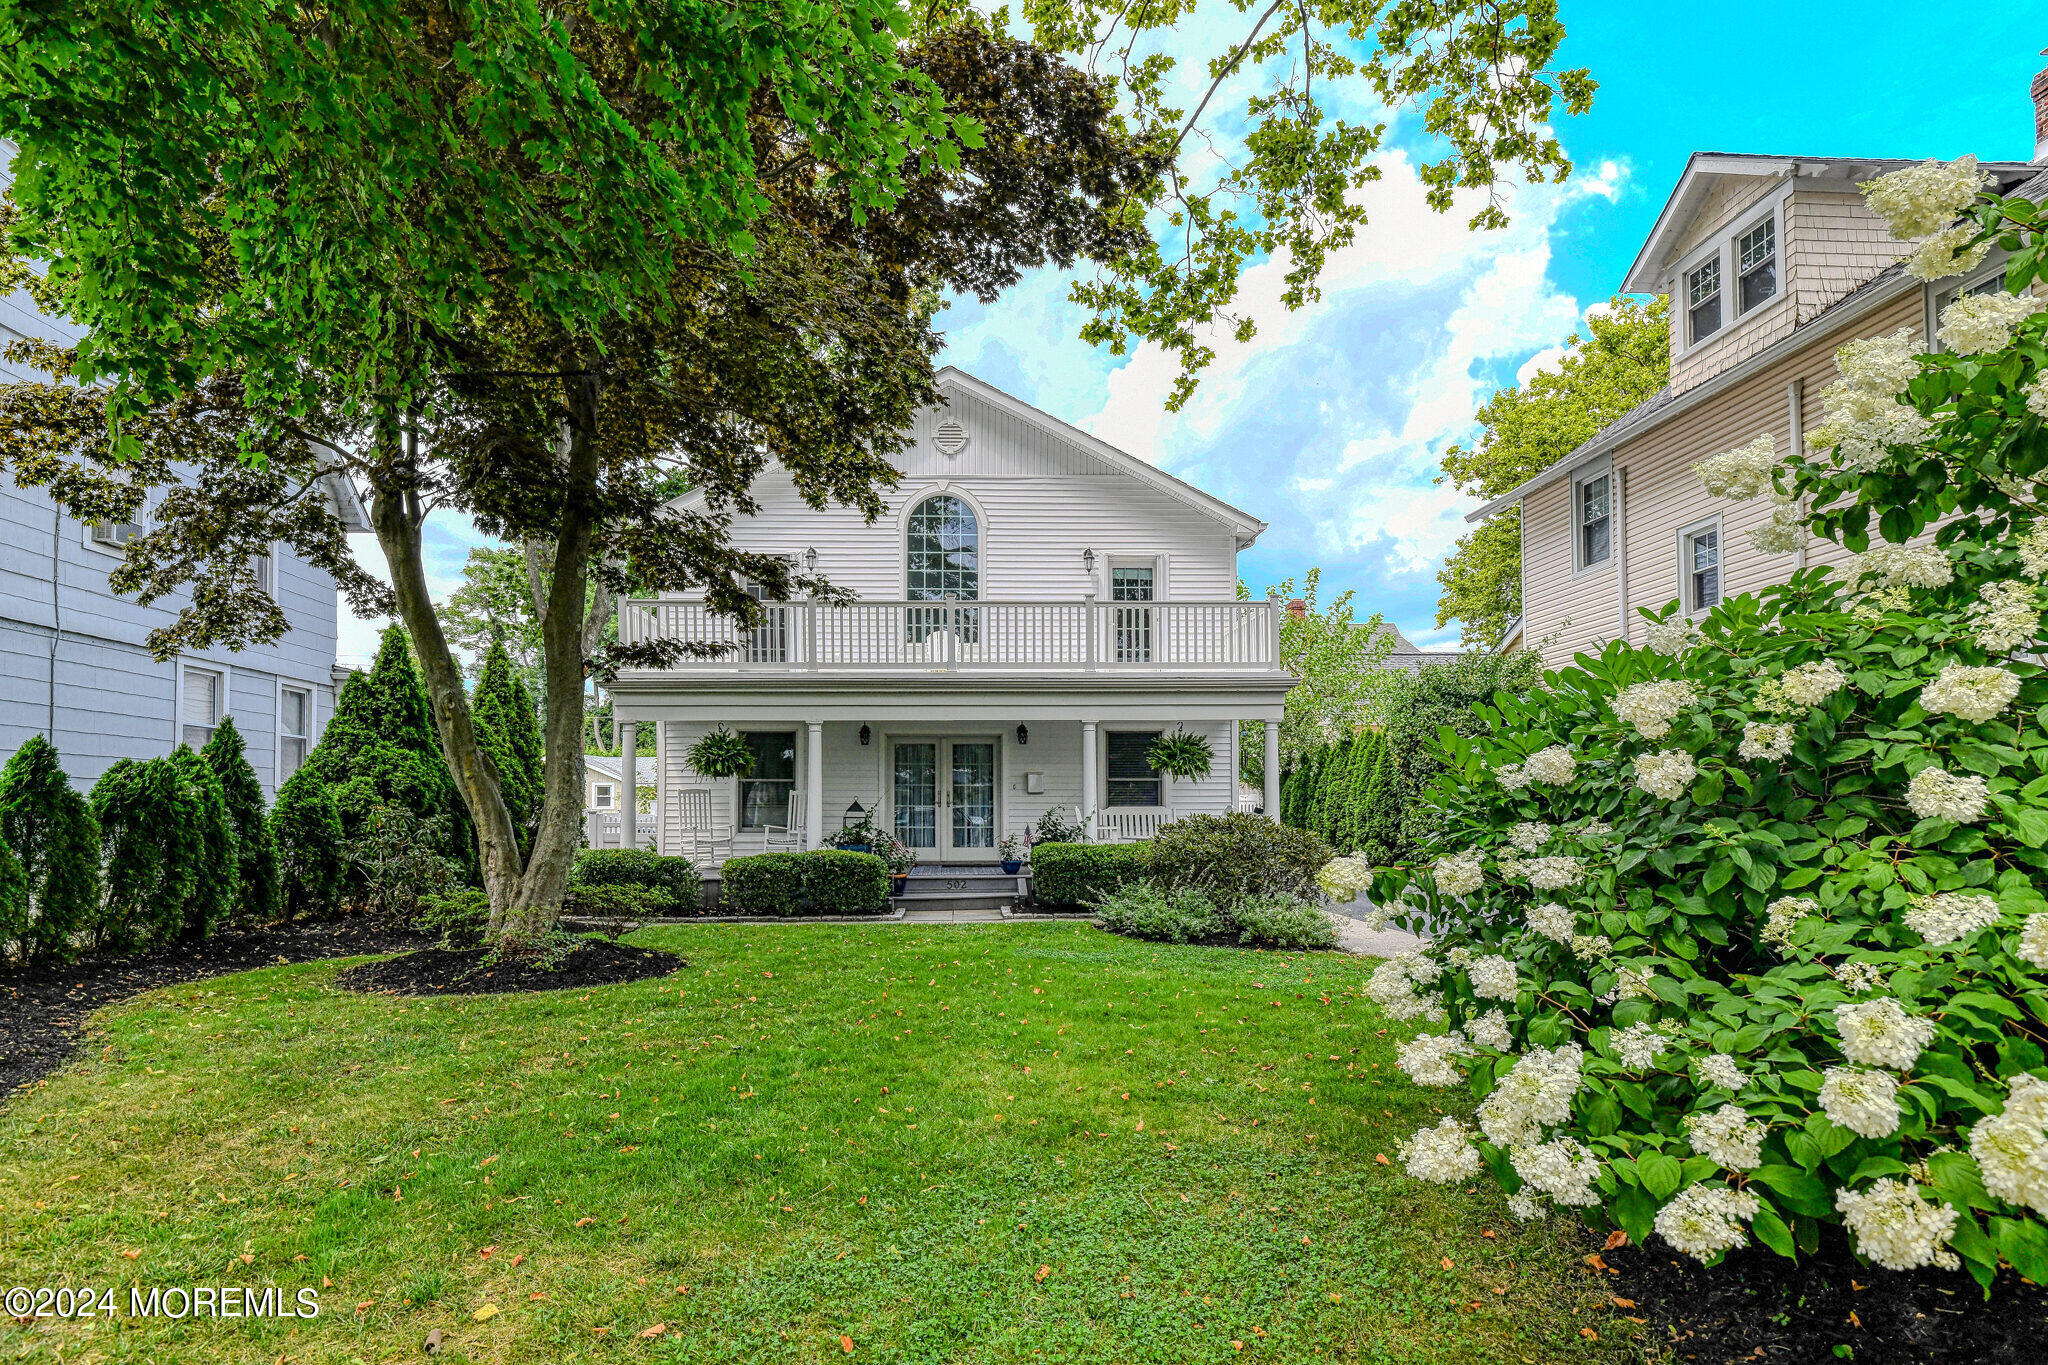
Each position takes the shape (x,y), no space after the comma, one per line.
(765,791)
(601,796)
(294,729)
(199,708)
(1756,262)
(1699,554)
(1703,299)
(1133,781)
(1595,518)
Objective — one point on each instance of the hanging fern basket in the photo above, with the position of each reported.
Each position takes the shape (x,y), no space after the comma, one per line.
(1182,755)
(721,753)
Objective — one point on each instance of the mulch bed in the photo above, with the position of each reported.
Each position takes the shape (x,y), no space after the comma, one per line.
(43,1010)
(1757,1306)
(462,971)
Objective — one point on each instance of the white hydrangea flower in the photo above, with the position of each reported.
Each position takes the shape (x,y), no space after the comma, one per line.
(2011,1147)
(1508,865)
(1903,566)
(1514,776)
(1666,774)
(1635,983)
(1556,922)
(1671,637)
(1561,1168)
(1803,687)
(1639,1045)
(1947,253)
(1427,1058)
(1781,914)
(2006,616)
(1858,977)
(1493,977)
(1459,956)
(1969,693)
(1650,706)
(2036,392)
(1784,531)
(1936,793)
(1864,1102)
(1720,1070)
(1526,1206)
(1705,1220)
(1881,1033)
(1586,947)
(1764,739)
(1535,1092)
(1529,835)
(1977,324)
(1490,1030)
(2032,948)
(1554,765)
(1459,874)
(1741,473)
(1443,1154)
(1344,879)
(1727,1135)
(1921,200)
(2032,545)
(1553,873)
(1392,986)
(1864,415)
(1950,916)
(1897,1229)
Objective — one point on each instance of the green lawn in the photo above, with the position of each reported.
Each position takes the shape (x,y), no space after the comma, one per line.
(1028,1142)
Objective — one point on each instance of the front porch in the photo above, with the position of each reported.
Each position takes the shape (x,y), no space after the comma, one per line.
(951,770)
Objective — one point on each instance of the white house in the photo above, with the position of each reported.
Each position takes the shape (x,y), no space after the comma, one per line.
(74,666)
(1035,608)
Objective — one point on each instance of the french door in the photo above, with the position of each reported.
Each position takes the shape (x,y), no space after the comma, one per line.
(943,797)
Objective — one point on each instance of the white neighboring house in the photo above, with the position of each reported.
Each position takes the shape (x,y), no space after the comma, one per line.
(604,801)
(1034,609)
(73,663)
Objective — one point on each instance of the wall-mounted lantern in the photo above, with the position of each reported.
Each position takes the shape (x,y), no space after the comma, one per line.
(865,734)
(1023,736)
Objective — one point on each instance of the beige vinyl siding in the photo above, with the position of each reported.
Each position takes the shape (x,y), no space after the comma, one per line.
(1563,611)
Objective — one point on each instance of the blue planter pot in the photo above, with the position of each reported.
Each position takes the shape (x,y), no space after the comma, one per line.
(856,848)
(1012,866)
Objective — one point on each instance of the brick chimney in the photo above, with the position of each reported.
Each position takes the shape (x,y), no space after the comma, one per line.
(1297,609)
(2041,113)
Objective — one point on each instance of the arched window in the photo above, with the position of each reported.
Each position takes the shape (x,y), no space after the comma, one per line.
(944,550)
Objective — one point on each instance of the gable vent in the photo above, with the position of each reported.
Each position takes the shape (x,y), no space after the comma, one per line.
(950,437)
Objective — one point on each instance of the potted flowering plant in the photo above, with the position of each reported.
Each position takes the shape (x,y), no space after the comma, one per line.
(858,837)
(898,856)
(1012,849)
(721,753)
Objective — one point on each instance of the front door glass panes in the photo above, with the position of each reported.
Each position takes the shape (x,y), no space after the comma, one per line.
(974,794)
(915,788)
(1756,253)
(943,559)
(1132,583)
(767,643)
(1703,550)
(765,792)
(1132,780)
(1703,299)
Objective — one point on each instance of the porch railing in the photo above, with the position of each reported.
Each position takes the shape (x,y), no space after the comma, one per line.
(959,636)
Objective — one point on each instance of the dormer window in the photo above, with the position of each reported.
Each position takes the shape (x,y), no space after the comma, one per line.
(1756,254)
(1703,299)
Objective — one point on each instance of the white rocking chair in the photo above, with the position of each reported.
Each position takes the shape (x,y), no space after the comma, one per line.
(787,837)
(699,833)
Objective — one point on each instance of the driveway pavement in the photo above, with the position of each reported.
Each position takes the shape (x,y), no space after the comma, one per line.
(1354,937)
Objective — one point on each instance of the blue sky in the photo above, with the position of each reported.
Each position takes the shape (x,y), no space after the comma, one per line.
(1330,424)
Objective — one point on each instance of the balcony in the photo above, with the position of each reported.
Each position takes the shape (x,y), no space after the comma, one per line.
(970,637)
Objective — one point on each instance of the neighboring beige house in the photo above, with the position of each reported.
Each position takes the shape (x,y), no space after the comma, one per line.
(604,798)
(1771,264)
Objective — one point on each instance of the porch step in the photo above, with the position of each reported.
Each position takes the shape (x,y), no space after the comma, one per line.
(966,885)
(977,894)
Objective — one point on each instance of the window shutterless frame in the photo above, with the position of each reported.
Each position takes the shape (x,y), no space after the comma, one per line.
(1700,566)
(1733,276)
(1592,516)
(202,700)
(294,728)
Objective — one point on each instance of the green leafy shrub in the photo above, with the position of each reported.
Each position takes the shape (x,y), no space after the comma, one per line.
(216,875)
(255,853)
(499,715)
(1421,703)
(674,878)
(1742,934)
(1144,911)
(396,858)
(616,905)
(305,827)
(148,818)
(836,882)
(721,753)
(49,826)
(14,908)
(764,883)
(1182,754)
(1082,874)
(457,917)
(1054,827)
(1283,922)
(1379,822)
(1236,856)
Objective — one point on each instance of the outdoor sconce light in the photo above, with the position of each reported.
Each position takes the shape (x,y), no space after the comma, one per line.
(1088,559)
(811,560)
(865,735)
(1023,736)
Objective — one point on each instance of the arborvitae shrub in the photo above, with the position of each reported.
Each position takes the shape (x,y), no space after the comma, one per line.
(149,820)
(306,829)
(47,823)
(494,710)
(13,896)
(1357,780)
(216,880)
(1379,825)
(255,854)
(1329,791)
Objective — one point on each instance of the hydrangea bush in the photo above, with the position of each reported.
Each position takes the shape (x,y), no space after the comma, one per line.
(1746,933)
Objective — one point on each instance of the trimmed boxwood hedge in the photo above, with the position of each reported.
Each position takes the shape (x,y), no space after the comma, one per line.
(828,881)
(674,878)
(1082,874)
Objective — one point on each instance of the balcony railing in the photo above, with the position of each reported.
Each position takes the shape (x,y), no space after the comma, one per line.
(956,636)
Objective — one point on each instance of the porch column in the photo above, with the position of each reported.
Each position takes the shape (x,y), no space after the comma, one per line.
(629,778)
(1273,771)
(1088,779)
(814,783)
